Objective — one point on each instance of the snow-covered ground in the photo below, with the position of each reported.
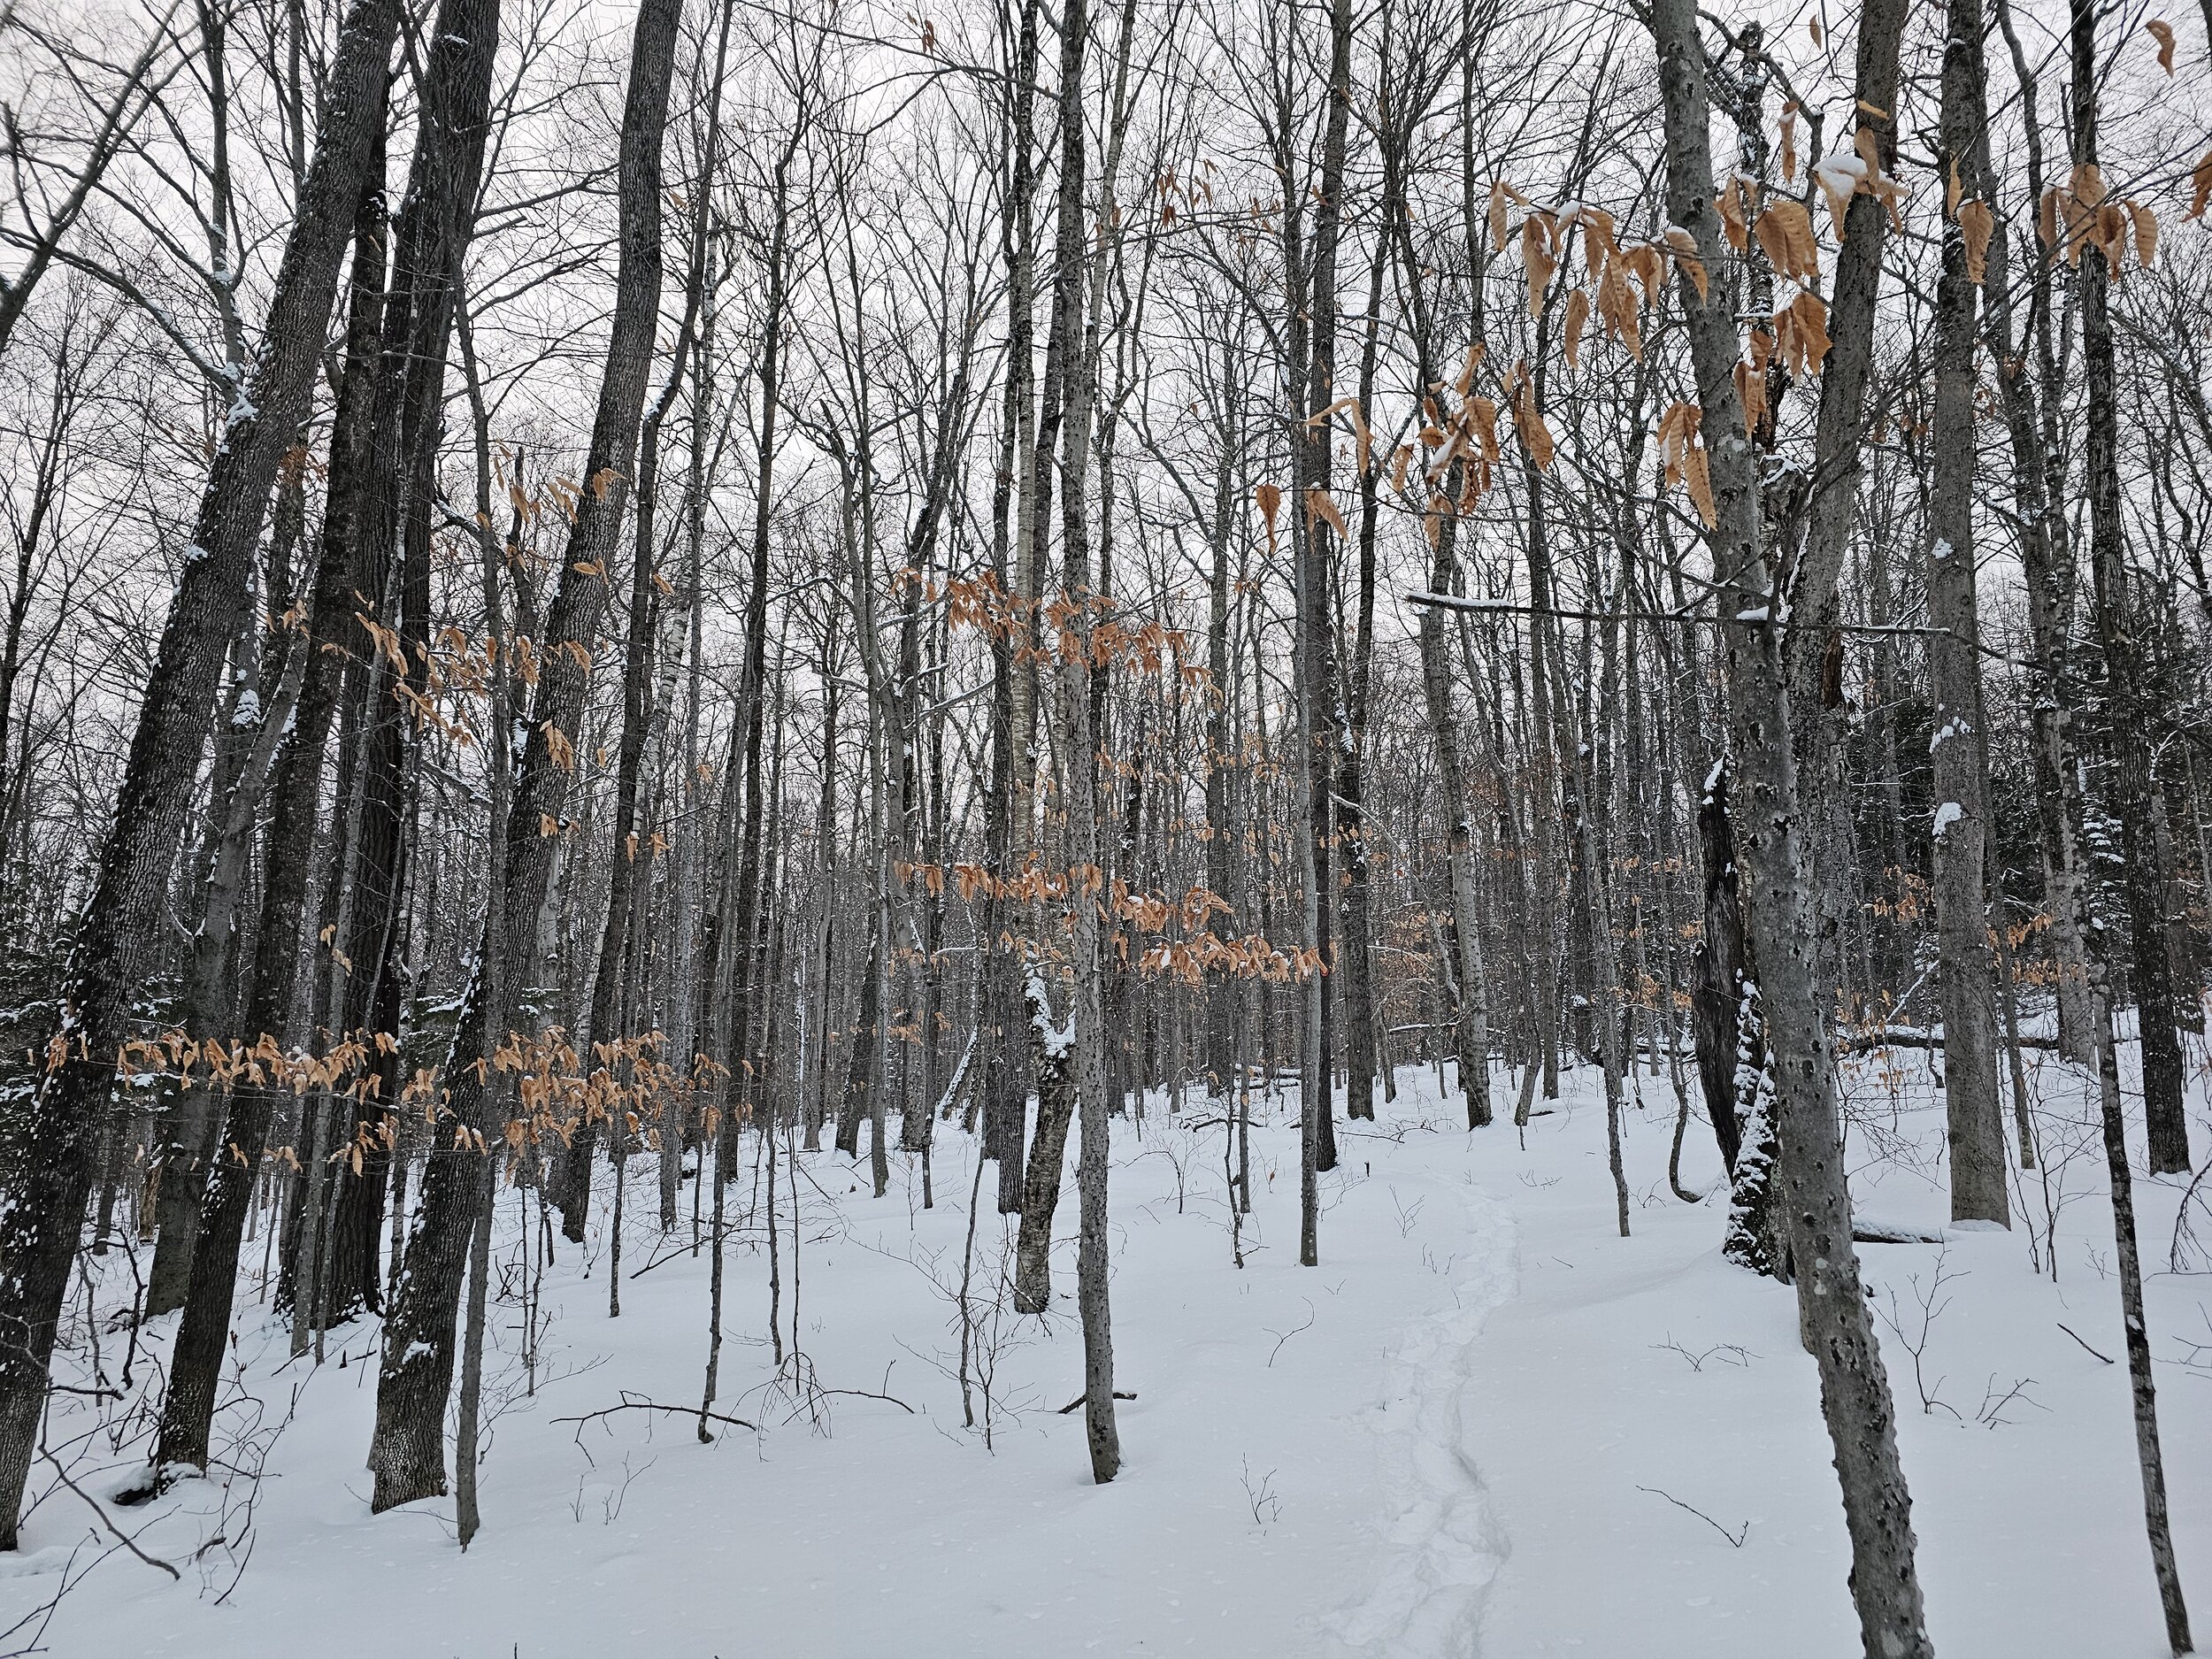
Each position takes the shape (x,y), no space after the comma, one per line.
(1480,1426)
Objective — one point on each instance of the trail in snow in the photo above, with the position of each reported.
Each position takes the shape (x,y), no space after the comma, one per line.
(1459,1436)
(1444,1545)
(1296,1480)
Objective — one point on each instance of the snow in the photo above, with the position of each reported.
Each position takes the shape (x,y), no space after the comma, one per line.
(1949,729)
(1057,1041)
(1949,813)
(1468,1432)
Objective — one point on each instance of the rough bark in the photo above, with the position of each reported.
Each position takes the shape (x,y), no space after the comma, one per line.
(1718,1028)
(441,197)
(39,1217)
(2150,963)
(1824,511)
(1976,1122)
(2152,967)
(407,1454)
(1832,1311)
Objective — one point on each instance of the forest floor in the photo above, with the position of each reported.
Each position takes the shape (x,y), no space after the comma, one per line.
(1485,1424)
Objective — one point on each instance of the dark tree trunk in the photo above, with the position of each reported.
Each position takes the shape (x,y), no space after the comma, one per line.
(1718,973)
(2153,968)
(407,1454)
(2150,961)
(632,874)
(40,1215)
(441,197)
(1976,1120)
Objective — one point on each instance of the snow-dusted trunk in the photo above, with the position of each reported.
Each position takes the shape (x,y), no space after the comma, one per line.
(394,467)
(741,988)
(1079,748)
(1464,972)
(44,1207)
(1053,1064)
(1471,1025)
(2153,969)
(1361,1047)
(1222,993)
(1976,1121)
(1319,679)
(2150,963)
(1014,759)
(2046,559)
(1855,1390)
(683,952)
(407,1453)
(1813,641)
(244,756)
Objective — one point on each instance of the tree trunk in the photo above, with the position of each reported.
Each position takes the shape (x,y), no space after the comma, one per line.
(2150,963)
(1976,1120)
(431,235)
(407,1454)
(42,1212)
(1832,1311)
(2153,969)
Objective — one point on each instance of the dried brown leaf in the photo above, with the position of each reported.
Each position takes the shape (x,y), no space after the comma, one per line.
(1685,249)
(2163,32)
(2145,223)
(1977,223)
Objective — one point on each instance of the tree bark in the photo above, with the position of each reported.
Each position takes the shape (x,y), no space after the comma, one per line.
(41,1216)
(1832,1311)
(2150,963)
(407,1454)
(2153,969)
(433,228)
(1976,1121)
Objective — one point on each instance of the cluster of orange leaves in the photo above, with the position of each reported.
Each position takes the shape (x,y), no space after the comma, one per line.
(1141,913)
(1624,280)
(1075,629)
(345,1068)
(556,1090)
(1250,957)
(1034,884)
(459,666)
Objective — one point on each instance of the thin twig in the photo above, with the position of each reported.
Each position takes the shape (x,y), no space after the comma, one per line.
(655,1405)
(2085,1347)
(1735,1539)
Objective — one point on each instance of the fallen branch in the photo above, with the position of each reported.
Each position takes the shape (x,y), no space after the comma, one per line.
(1078,1399)
(1735,1539)
(863,1393)
(1914,1037)
(630,1404)
(2085,1347)
(1875,1232)
(100,1509)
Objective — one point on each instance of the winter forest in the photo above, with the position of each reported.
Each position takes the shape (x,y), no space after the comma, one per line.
(1296,827)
